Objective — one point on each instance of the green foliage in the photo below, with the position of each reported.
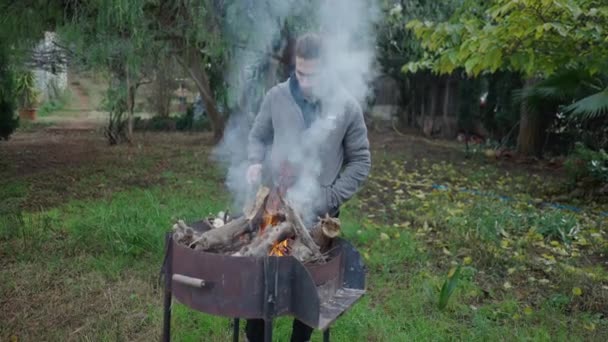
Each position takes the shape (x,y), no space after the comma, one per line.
(115,103)
(448,288)
(583,96)
(528,36)
(554,225)
(25,89)
(591,107)
(54,104)
(490,221)
(183,122)
(586,164)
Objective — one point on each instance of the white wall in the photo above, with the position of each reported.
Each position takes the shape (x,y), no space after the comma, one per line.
(44,77)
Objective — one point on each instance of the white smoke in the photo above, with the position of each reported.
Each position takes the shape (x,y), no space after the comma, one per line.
(347,30)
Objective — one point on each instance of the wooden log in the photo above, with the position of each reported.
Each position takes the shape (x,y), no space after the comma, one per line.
(301,232)
(182,233)
(271,236)
(223,237)
(325,231)
(252,209)
(301,252)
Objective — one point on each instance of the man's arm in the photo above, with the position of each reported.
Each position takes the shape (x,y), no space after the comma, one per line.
(261,133)
(357,159)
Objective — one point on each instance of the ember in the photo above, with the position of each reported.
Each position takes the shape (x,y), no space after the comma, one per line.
(281,248)
(269,220)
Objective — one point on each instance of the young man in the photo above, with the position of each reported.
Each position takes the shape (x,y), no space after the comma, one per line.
(288,113)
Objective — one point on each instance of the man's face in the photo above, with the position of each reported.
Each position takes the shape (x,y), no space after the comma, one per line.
(307,75)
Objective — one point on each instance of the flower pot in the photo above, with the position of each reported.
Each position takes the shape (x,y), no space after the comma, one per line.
(27,114)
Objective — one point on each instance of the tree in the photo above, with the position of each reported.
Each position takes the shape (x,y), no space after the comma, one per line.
(22,25)
(429,99)
(8,121)
(533,37)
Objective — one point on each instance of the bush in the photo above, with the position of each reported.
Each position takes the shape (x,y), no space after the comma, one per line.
(8,120)
(55,104)
(185,122)
(587,165)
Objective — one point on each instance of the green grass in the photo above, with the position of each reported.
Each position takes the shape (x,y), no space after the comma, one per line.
(86,268)
(55,105)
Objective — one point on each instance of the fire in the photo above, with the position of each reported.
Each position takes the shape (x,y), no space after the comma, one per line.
(281,248)
(268,220)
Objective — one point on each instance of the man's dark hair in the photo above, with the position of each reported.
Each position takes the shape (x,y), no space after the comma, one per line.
(308,46)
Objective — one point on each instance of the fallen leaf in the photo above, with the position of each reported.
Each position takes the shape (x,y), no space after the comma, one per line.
(384,236)
(590,326)
(577,291)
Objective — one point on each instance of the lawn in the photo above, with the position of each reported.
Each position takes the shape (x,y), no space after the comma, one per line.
(82,226)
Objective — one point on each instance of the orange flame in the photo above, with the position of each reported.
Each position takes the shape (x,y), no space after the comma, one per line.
(281,248)
(268,220)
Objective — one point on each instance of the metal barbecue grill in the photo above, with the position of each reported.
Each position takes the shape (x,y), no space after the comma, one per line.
(262,287)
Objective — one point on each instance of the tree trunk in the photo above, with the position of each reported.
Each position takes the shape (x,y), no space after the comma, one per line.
(434,99)
(163,87)
(530,141)
(130,105)
(446,99)
(449,127)
(193,63)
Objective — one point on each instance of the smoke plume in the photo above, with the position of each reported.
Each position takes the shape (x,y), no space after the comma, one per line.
(347,30)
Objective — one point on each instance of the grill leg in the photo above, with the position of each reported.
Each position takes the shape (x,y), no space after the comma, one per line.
(326,335)
(268,330)
(167,317)
(235,330)
(167,300)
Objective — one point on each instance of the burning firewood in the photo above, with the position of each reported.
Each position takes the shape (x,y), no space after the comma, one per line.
(252,209)
(223,236)
(267,240)
(270,226)
(301,231)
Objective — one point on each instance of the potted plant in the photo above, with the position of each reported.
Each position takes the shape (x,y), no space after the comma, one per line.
(25,91)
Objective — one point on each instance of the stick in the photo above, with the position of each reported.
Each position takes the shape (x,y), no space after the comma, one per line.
(269,238)
(222,236)
(252,209)
(301,231)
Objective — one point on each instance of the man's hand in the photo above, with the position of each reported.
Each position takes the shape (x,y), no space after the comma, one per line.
(254,174)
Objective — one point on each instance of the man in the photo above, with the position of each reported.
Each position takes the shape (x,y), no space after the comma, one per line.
(291,116)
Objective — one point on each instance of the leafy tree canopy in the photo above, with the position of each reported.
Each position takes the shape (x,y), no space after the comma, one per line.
(534,37)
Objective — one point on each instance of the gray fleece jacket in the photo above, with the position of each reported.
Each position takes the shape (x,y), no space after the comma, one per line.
(337,142)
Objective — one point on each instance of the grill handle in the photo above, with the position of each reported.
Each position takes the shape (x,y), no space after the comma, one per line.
(185,280)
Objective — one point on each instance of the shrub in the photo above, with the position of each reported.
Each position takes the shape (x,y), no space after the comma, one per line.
(587,165)
(54,104)
(185,122)
(8,120)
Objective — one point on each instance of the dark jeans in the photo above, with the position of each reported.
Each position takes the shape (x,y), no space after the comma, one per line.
(254,331)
